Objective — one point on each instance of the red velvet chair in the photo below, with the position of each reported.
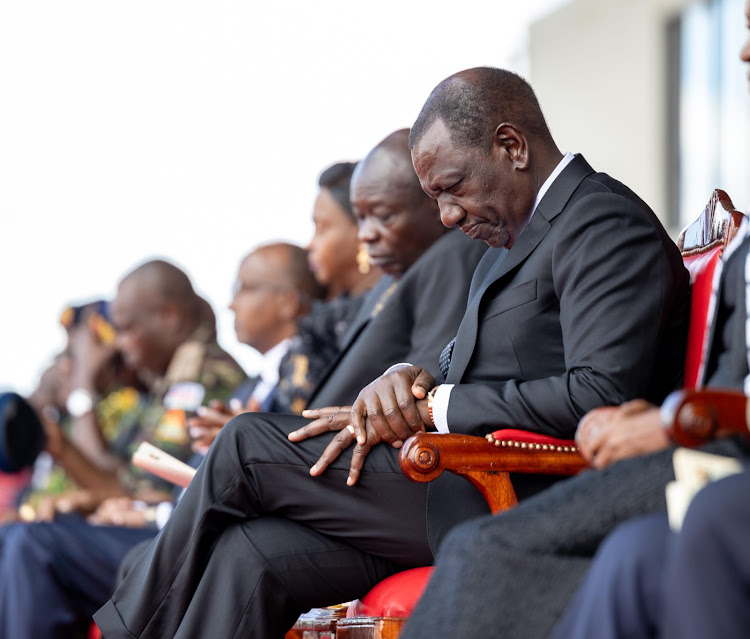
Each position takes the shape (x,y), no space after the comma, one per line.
(487,462)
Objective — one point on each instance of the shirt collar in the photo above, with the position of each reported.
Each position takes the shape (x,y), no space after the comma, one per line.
(567,159)
(269,370)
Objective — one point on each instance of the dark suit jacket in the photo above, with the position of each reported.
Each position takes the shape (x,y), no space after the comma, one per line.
(419,317)
(588,308)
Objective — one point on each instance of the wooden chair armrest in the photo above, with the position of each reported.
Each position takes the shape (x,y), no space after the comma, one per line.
(425,456)
(693,417)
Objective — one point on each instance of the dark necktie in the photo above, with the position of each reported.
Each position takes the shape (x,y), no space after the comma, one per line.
(445,358)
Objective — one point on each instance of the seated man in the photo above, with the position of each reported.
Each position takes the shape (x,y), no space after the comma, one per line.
(67,567)
(579,301)
(513,575)
(274,289)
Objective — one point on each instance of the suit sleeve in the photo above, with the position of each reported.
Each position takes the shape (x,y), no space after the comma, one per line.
(615,285)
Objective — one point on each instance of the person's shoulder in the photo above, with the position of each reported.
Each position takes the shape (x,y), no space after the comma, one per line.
(200,359)
(219,368)
(453,250)
(602,199)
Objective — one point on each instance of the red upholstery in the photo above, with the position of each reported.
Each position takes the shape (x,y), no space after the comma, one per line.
(526,437)
(702,268)
(395,596)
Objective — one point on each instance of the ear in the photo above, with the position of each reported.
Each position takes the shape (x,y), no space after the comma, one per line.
(289,305)
(512,143)
(171,317)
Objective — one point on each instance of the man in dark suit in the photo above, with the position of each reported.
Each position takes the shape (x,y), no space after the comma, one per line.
(423,262)
(591,283)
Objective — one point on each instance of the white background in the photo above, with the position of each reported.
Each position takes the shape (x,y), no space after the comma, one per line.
(196,131)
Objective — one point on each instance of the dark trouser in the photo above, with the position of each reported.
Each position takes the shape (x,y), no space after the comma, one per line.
(621,596)
(707,583)
(512,575)
(53,576)
(255,541)
(648,581)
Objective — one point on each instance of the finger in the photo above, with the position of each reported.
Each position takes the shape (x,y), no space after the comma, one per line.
(235,405)
(422,385)
(604,455)
(357,418)
(358,460)
(315,413)
(211,414)
(216,404)
(635,406)
(196,432)
(338,445)
(384,414)
(408,407)
(590,437)
(330,423)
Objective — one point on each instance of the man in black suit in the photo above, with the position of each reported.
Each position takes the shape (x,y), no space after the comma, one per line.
(573,306)
(423,262)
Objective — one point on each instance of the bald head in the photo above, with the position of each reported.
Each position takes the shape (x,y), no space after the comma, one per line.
(155,311)
(164,281)
(474,102)
(289,267)
(274,288)
(397,220)
(390,162)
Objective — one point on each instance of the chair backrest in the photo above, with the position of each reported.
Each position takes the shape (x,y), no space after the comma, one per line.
(701,244)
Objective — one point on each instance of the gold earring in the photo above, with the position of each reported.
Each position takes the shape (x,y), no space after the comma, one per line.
(363,260)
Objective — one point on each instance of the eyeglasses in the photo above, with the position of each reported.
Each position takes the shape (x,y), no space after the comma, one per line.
(255,287)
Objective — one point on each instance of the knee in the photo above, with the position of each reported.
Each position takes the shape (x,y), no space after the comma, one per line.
(636,548)
(711,512)
(29,544)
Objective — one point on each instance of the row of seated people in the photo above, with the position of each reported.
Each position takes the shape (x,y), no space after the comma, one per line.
(224,508)
(69,565)
(581,301)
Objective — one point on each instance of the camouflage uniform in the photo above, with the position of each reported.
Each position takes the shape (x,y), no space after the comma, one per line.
(199,372)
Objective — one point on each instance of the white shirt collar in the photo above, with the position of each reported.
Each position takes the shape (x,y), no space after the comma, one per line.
(567,159)
(269,370)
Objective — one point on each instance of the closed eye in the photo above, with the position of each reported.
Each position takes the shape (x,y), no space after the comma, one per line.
(454,187)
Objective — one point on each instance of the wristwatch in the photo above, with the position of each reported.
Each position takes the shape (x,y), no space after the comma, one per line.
(80,401)
(430,402)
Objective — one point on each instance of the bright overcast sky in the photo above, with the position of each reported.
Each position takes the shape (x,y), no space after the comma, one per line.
(196,131)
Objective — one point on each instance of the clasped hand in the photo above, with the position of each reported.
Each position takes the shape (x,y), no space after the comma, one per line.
(390,409)
(612,433)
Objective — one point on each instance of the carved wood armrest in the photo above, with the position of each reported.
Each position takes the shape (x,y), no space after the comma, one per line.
(693,417)
(425,456)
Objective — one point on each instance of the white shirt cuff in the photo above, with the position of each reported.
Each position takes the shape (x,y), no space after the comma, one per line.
(440,407)
(395,367)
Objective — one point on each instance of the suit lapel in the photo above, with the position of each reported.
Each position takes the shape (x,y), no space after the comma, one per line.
(360,322)
(551,205)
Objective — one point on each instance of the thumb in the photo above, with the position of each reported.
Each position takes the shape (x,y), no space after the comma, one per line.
(422,384)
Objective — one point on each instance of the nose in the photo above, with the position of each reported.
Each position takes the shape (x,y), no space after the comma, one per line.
(450,214)
(367,231)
